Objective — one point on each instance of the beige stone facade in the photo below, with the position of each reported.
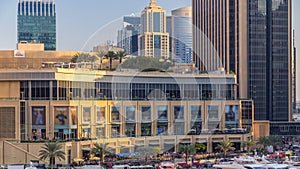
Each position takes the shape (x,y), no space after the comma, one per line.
(25,152)
(26,121)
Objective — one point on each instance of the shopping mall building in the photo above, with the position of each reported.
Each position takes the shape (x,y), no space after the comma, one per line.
(125,109)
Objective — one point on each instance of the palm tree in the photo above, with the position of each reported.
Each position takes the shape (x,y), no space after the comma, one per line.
(83,57)
(200,147)
(101,150)
(52,150)
(145,152)
(111,56)
(225,146)
(249,145)
(275,141)
(187,150)
(121,55)
(100,56)
(263,142)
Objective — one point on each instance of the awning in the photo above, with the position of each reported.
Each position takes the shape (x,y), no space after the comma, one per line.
(126,145)
(127,154)
(235,141)
(169,142)
(154,144)
(86,149)
(217,141)
(141,144)
(185,142)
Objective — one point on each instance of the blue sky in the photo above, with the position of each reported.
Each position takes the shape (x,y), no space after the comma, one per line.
(81,24)
(78,20)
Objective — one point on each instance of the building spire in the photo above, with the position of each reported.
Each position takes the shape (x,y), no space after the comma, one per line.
(152,2)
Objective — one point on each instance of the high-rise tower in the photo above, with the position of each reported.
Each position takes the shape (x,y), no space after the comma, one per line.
(37,22)
(154,39)
(253,39)
(269,58)
(182,35)
(128,36)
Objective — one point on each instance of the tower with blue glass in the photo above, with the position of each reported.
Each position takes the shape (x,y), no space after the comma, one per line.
(37,22)
(182,35)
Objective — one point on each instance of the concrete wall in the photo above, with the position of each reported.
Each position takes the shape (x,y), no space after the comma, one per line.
(31,46)
(10,89)
(33,59)
(261,129)
(6,124)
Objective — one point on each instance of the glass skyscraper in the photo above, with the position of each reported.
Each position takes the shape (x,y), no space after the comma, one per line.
(128,35)
(253,39)
(37,22)
(269,59)
(182,35)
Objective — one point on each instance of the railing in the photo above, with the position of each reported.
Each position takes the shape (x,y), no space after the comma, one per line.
(137,136)
(98,98)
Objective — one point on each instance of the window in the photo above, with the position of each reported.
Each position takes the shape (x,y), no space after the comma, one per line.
(162,128)
(213,113)
(100,114)
(115,131)
(162,113)
(179,128)
(100,132)
(146,114)
(130,113)
(284,128)
(146,129)
(196,114)
(86,115)
(178,113)
(115,114)
(130,130)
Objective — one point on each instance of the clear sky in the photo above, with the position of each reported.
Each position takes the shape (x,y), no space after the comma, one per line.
(78,20)
(81,24)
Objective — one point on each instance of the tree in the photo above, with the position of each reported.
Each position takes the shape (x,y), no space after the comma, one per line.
(225,146)
(144,63)
(121,55)
(145,152)
(101,150)
(200,147)
(110,56)
(249,145)
(83,57)
(187,150)
(275,141)
(263,142)
(100,55)
(52,150)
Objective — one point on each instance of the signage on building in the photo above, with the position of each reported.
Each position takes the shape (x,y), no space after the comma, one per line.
(19,53)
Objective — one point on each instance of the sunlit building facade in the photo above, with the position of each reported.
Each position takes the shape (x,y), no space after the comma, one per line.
(154,39)
(124,109)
